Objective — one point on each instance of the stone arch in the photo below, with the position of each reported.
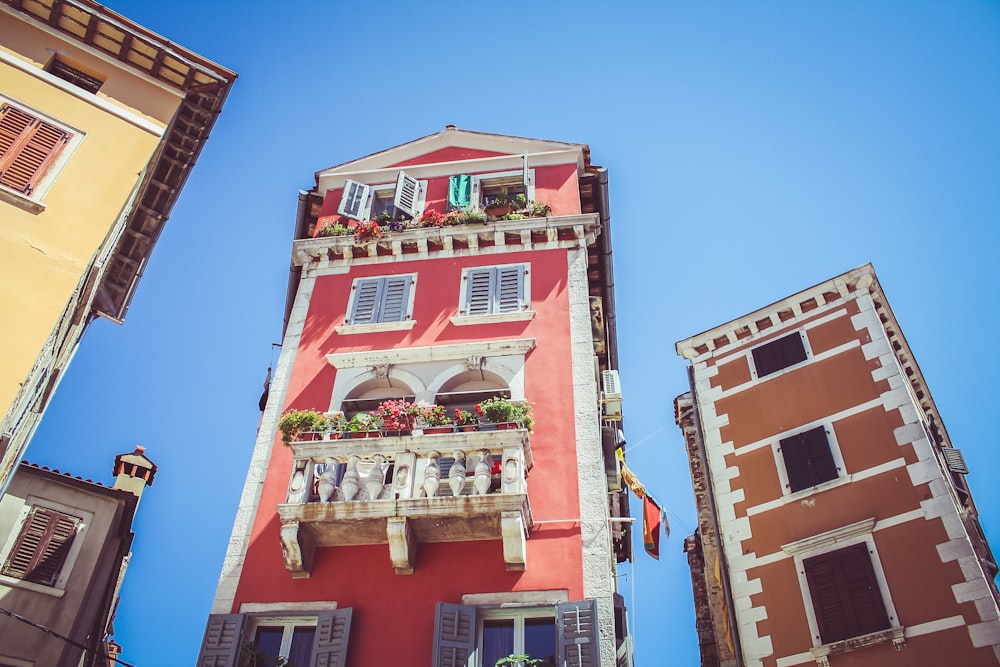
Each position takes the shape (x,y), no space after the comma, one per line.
(368,384)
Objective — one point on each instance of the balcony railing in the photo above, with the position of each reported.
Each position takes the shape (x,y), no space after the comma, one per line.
(407,489)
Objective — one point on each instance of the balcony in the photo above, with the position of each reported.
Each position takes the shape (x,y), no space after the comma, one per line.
(406,489)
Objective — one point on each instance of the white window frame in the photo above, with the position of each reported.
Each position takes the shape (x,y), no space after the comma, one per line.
(407,323)
(778,373)
(288,625)
(838,460)
(480,181)
(33,202)
(525,313)
(58,588)
(370,192)
(519,614)
(856,533)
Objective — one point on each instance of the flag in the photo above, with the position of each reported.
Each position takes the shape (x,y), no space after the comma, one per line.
(652,515)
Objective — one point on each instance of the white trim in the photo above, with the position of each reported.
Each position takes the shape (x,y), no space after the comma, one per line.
(781,371)
(348,329)
(935,626)
(468,320)
(411,292)
(285,607)
(754,381)
(478,185)
(524,297)
(830,540)
(835,453)
(412,355)
(518,598)
(103,103)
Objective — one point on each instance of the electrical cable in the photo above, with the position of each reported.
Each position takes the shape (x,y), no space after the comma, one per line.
(18,617)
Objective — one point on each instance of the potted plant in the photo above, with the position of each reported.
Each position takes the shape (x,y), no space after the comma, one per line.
(333,229)
(522,660)
(474,216)
(537,209)
(436,419)
(294,423)
(398,417)
(432,218)
(367,231)
(505,414)
(362,425)
(465,420)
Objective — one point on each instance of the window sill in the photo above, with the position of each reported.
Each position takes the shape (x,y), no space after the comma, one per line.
(894,635)
(29,586)
(819,488)
(347,329)
(20,200)
(468,320)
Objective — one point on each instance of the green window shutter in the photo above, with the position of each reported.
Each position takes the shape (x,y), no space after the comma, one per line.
(454,635)
(395,298)
(407,195)
(509,292)
(576,632)
(333,630)
(459,191)
(223,639)
(352,202)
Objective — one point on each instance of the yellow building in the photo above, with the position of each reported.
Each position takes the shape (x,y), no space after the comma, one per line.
(101,121)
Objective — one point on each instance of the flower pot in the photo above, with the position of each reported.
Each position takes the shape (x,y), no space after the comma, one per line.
(434,430)
(508,426)
(470,427)
(365,434)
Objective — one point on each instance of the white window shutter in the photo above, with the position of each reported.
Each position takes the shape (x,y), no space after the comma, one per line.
(407,194)
(477,193)
(354,200)
(478,291)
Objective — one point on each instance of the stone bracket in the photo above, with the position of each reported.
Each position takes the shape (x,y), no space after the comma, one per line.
(297,548)
(402,544)
(515,536)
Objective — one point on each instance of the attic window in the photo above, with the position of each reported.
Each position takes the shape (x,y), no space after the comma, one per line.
(59,68)
(364,202)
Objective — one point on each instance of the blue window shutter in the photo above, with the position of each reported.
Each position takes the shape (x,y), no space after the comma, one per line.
(479,291)
(352,202)
(509,292)
(395,298)
(454,635)
(333,630)
(576,632)
(223,639)
(366,300)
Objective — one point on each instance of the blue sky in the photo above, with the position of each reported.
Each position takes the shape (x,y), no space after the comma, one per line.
(754,149)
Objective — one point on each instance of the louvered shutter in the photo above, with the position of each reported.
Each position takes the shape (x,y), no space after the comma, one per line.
(28,147)
(576,627)
(223,639)
(42,547)
(454,635)
(509,291)
(845,593)
(366,300)
(808,459)
(954,460)
(407,195)
(478,291)
(395,298)
(778,354)
(352,202)
(333,630)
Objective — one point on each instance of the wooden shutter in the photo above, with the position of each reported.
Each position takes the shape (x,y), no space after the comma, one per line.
(808,459)
(28,148)
(352,202)
(395,299)
(366,299)
(509,291)
(223,640)
(954,460)
(778,354)
(42,546)
(576,632)
(845,593)
(333,630)
(407,195)
(454,635)
(478,291)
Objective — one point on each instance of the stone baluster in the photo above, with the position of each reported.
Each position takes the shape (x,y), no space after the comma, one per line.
(350,484)
(512,472)
(376,478)
(300,483)
(402,475)
(327,485)
(432,475)
(456,476)
(481,483)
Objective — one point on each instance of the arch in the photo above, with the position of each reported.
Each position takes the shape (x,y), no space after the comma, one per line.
(363,384)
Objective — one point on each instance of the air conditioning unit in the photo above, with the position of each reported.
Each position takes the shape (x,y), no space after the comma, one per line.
(611,396)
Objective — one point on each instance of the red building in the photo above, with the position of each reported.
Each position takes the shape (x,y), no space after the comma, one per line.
(835,524)
(487,277)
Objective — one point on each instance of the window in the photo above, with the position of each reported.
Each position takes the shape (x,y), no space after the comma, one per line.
(778,354)
(377,300)
(808,459)
(42,546)
(496,289)
(489,188)
(63,70)
(560,634)
(366,202)
(845,593)
(29,147)
(305,641)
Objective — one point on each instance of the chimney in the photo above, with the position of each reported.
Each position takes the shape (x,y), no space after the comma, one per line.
(134,472)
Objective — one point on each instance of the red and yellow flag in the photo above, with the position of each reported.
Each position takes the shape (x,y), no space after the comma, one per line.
(652,515)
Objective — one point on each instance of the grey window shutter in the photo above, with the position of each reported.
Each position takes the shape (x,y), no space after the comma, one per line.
(954,460)
(223,639)
(478,291)
(454,635)
(576,627)
(352,202)
(407,193)
(395,298)
(509,292)
(333,630)
(366,300)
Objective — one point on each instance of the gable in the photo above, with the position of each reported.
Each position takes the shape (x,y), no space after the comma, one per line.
(449,154)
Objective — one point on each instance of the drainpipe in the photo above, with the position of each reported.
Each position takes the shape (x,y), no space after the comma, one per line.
(604,248)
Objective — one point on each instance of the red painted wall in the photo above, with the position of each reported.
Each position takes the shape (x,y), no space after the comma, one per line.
(361,576)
